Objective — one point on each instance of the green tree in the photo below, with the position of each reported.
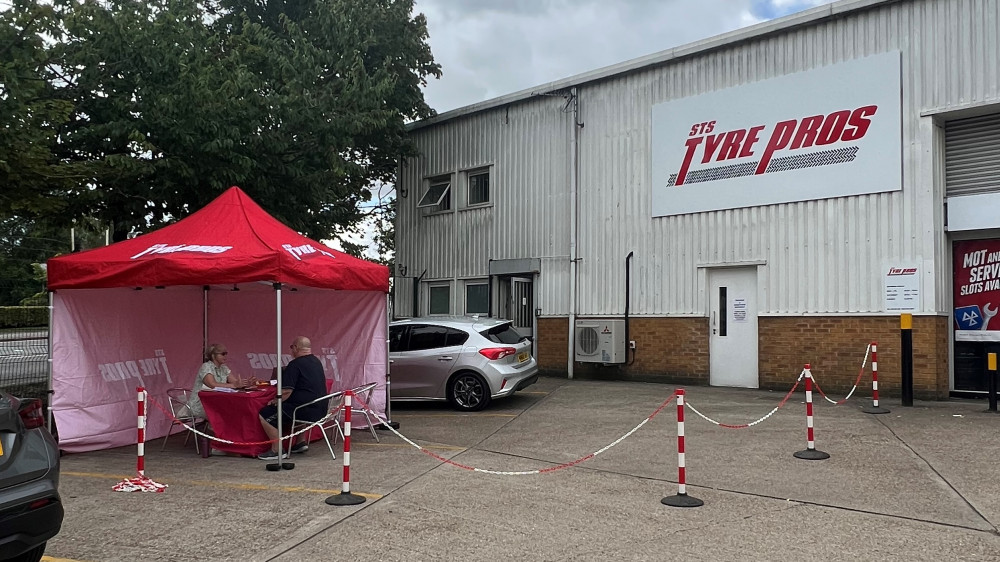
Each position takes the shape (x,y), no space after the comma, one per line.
(33,177)
(301,103)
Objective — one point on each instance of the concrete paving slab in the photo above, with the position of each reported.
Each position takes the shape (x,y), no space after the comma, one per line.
(916,484)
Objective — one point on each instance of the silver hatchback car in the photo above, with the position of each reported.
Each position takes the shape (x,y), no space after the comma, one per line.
(467,361)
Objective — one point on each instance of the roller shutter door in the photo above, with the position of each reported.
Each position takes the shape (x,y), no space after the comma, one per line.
(972,155)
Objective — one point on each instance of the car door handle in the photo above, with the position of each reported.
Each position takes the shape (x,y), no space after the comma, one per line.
(445,358)
(392,361)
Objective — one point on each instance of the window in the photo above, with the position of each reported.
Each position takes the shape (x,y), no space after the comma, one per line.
(427,337)
(440,300)
(477,298)
(479,187)
(455,337)
(397,338)
(438,195)
(504,333)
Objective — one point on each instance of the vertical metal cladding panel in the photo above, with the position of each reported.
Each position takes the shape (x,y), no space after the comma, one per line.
(526,147)
(823,256)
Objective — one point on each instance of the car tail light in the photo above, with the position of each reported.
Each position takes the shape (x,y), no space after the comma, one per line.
(40,503)
(494,353)
(31,413)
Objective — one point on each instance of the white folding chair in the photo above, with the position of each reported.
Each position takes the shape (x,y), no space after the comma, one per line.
(178,400)
(364,392)
(332,421)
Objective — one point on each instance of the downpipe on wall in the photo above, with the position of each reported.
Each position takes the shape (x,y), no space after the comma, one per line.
(628,294)
(574,172)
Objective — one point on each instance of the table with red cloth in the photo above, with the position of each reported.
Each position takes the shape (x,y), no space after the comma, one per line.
(235,416)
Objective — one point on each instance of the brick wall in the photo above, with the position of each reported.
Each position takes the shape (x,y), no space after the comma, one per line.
(835,346)
(675,350)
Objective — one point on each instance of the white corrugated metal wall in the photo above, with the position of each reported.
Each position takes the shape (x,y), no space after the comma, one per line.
(526,147)
(823,257)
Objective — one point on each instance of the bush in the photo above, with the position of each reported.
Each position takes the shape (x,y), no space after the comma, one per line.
(23,316)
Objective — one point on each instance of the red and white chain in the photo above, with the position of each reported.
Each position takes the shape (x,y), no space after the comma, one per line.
(228,442)
(861,372)
(687,404)
(520,472)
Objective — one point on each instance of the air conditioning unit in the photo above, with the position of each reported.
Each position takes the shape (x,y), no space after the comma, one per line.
(600,341)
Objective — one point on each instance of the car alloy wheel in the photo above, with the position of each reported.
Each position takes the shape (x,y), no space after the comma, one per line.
(469,392)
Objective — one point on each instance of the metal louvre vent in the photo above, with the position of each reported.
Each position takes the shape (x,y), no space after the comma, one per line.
(588,340)
(972,155)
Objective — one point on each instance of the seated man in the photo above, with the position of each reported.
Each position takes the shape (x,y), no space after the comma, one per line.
(302,381)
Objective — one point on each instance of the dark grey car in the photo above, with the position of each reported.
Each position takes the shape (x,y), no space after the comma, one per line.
(31,511)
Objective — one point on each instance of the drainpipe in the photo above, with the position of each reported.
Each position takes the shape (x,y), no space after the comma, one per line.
(416,294)
(574,171)
(628,270)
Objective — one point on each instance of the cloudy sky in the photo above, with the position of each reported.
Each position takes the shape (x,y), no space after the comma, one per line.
(489,48)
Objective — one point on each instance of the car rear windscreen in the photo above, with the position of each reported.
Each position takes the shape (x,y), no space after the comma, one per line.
(504,333)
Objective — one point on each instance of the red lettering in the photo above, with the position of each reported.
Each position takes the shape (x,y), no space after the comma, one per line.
(750,141)
(691,144)
(833,127)
(731,146)
(711,143)
(860,122)
(779,139)
(806,135)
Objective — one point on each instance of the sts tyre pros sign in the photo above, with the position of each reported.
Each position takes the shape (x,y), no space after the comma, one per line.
(829,132)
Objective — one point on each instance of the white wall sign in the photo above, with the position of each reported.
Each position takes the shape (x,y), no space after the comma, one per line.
(902,289)
(829,132)
(739,310)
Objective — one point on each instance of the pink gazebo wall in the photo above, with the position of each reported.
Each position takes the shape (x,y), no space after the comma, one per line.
(106,342)
(347,330)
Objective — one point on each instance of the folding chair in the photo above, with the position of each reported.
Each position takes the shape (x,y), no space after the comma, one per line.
(178,399)
(331,422)
(364,392)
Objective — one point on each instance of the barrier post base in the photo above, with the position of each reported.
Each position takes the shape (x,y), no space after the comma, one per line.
(811,455)
(275,467)
(383,426)
(682,500)
(345,498)
(875,410)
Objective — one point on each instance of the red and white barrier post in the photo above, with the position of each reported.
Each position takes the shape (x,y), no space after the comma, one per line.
(875,408)
(141,483)
(810,453)
(345,497)
(681,499)
(140,464)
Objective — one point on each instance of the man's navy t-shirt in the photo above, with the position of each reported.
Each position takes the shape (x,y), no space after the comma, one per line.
(304,375)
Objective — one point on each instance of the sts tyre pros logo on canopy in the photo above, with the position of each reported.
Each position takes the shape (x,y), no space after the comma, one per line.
(829,132)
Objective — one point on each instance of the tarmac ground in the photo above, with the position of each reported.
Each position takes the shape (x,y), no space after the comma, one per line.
(919,483)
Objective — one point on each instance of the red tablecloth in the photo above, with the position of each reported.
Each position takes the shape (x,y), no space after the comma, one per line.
(235,416)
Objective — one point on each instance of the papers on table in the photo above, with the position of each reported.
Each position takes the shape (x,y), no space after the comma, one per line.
(223,389)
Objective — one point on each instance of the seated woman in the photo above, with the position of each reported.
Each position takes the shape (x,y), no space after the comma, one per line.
(213,373)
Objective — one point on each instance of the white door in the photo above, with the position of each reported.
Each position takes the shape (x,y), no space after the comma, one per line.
(733,327)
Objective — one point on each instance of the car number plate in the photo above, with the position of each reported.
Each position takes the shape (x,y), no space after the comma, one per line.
(1,448)
(523,356)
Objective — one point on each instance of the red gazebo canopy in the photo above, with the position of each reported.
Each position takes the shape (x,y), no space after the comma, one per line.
(230,240)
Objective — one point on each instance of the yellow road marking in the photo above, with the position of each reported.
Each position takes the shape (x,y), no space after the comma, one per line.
(51,559)
(214,484)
